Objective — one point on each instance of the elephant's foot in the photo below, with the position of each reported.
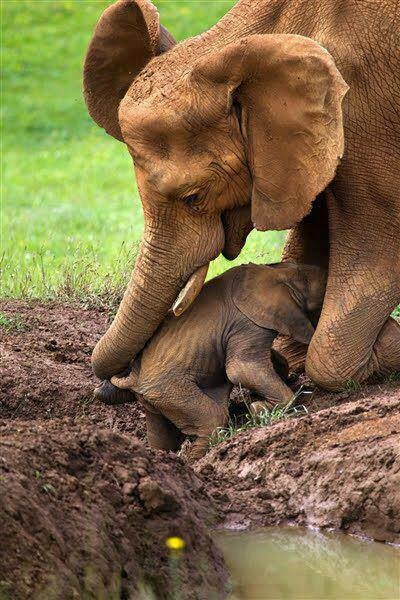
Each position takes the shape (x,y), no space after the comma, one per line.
(108,393)
(293,352)
(198,449)
(333,370)
(260,406)
(385,358)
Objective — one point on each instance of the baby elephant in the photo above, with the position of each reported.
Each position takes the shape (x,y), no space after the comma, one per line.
(185,373)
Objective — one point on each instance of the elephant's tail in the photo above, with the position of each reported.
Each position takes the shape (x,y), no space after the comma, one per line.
(128,382)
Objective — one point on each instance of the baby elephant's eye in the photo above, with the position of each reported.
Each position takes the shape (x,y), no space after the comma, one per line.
(190,199)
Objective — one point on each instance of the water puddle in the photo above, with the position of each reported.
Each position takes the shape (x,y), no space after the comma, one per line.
(294,563)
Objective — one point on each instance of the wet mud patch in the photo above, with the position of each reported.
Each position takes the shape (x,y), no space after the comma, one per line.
(45,366)
(336,468)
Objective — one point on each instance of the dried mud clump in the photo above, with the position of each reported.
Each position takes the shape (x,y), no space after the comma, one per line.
(85,513)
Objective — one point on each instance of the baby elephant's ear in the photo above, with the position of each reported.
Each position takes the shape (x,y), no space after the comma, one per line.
(268,301)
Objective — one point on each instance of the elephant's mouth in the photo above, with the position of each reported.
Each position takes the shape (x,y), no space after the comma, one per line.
(191,290)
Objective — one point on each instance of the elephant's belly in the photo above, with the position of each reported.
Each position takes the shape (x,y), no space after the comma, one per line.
(216,386)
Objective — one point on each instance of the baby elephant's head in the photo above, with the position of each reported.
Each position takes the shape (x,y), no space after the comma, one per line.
(280,296)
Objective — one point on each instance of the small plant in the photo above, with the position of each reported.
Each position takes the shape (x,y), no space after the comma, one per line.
(48,488)
(393,377)
(353,386)
(12,323)
(252,421)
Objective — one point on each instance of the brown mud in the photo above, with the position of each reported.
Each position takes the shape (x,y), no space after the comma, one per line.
(86,512)
(45,367)
(86,506)
(336,468)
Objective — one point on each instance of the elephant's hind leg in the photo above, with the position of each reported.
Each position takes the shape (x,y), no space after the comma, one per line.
(161,433)
(249,363)
(193,413)
(386,352)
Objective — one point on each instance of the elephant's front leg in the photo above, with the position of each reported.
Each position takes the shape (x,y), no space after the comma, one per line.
(385,358)
(356,339)
(249,363)
(338,354)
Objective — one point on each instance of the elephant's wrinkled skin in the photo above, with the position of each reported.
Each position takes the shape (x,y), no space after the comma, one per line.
(242,126)
(184,375)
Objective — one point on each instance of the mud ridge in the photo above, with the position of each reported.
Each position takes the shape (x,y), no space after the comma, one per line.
(337,468)
(86,512)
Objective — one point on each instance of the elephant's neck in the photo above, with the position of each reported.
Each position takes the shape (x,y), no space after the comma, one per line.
(301,17)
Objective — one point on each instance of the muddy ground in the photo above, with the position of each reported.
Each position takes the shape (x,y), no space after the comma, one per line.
(86,512)
(85,505)
(338,468)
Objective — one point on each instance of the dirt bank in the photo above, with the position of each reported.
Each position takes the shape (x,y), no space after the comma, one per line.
(86,507)
(337,468)
(85,513)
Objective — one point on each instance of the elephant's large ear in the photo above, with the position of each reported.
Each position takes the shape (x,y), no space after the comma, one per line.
(127,35)
(267,296)
(290,94)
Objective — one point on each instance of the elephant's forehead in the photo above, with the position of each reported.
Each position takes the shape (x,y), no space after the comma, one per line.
(149,121)
(174,117)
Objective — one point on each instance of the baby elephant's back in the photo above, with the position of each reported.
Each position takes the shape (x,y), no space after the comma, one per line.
(194,339)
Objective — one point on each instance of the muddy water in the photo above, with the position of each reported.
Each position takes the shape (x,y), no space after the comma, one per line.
(299,564)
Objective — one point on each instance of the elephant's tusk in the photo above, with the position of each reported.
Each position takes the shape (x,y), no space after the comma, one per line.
(190,291)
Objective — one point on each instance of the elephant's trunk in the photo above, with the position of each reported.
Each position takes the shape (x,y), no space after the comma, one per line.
(150,294)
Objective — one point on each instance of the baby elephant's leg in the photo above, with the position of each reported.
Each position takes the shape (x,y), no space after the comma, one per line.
(193,413)
(249,363)
(161,433)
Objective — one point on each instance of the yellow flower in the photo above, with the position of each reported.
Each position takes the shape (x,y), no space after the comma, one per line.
(175,543)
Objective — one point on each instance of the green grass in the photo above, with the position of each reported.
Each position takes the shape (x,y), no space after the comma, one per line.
(253,421)
(393,377)
(71,217)
(353,386)
(12,323)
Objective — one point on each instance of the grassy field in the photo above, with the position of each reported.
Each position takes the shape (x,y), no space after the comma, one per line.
(71,213)
(71,216)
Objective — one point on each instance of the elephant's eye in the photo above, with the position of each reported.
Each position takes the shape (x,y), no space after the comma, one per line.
(191,199)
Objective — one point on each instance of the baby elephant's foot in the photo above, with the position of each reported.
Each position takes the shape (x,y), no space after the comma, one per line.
(197,450)
(108,393)
(258,407)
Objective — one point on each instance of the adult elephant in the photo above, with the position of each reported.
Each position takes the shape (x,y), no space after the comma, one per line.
(240,127)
